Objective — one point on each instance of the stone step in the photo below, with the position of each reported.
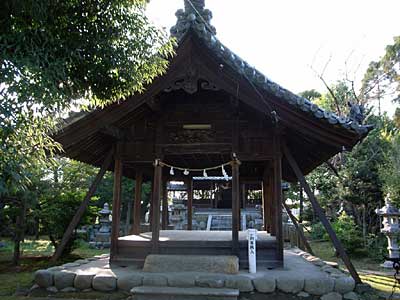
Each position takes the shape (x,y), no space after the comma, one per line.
(158,263)
(176,293)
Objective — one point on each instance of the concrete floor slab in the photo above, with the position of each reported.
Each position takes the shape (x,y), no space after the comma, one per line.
(195,235)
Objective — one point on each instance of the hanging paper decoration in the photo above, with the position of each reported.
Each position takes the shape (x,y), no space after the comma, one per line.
(186,171)
(224,174)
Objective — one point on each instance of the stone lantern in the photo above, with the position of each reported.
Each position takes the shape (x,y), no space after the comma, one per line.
(102,238)
(390,228)
(178,214)
(104,219)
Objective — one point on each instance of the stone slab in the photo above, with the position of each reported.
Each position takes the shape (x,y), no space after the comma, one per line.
(63,279)
(44,278)
(194,291)
(242,283)
(266,284)
(227,264)
(319,285)
(127,282)
(155,280)
(104,283)
(83,281)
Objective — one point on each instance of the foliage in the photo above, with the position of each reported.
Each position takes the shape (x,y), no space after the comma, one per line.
(55,54)
(57,212)
(390,170)
(311,95)
(348,233)
(362,183)
(56,51)
(326,186)
(383,77)
(318,232)
(59,54)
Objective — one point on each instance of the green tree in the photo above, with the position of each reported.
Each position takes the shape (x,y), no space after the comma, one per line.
(382,78)
(55,54)
(390,170)
(59,54)
(362,186)
(311,95)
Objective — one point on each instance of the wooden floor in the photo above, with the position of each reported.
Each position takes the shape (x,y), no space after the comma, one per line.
(135,248)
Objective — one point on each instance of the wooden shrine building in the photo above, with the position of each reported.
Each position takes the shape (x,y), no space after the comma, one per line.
(211,111)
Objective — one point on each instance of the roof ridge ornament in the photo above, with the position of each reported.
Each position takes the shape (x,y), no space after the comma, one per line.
(194,16)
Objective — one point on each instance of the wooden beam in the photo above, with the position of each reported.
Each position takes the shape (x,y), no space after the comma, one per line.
(116,207)
(113,132)
(189,184)
(155,206)
(82,208)
(164,219)
(137,202)
(235,206)
(277,186)
(317,208)
(299,231)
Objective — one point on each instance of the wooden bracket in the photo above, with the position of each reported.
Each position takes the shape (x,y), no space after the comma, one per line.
(300,232)
(317,208)
(81,210)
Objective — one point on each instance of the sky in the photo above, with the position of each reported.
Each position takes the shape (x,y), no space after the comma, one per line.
(291,41)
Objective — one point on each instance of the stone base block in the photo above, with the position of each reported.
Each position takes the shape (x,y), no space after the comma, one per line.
(192,263)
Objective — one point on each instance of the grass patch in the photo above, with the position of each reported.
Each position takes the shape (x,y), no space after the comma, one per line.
(36,255)
(84,251)
(10,282)
(381,283)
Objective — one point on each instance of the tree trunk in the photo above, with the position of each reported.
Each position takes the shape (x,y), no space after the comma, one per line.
(19,233)
(364,227)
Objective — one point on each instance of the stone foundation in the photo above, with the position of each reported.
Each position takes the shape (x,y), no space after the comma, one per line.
(304,276)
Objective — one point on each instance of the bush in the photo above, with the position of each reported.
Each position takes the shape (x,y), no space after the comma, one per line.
(318,232)
(376,247)
(349,234)
(57,213)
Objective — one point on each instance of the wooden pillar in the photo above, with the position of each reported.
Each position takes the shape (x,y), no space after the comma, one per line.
(271,202)
(164,223)
(137,202)
(189,190)
(277,203)
(155,205)
(82,208)
(128,220)
(116,207)
(318,209)
(266,203)
(244,198)
(151,204)
(235,206)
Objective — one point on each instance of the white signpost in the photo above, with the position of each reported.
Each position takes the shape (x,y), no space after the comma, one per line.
(252,237)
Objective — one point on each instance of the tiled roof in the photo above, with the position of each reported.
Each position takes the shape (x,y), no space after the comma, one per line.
(197,19)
